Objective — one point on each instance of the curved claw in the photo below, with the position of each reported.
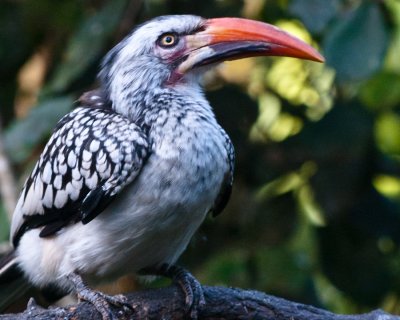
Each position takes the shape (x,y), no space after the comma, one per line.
(191,287)
(98,299)
(117,300)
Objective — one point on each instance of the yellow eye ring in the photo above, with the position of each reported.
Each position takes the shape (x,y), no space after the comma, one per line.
(168,40)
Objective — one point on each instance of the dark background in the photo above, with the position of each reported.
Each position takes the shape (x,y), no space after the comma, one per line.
(314,214)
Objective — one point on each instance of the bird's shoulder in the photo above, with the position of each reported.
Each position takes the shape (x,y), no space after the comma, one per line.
(91,156)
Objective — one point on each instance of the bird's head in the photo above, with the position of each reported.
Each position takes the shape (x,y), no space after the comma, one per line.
(174,50)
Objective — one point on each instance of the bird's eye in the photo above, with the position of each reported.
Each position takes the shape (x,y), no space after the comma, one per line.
(168,40)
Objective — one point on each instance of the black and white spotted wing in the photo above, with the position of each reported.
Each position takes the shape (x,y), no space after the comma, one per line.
(92,155)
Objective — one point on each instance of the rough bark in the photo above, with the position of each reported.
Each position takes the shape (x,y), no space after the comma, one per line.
(222,303)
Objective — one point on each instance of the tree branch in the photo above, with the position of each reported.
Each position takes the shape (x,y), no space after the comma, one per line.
(222,303)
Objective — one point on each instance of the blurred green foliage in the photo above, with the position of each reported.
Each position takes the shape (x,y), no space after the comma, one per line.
(314,214)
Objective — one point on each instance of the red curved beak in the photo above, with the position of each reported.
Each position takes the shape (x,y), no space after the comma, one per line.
(235,38)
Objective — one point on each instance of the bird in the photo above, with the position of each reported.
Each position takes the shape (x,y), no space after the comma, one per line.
(129,175)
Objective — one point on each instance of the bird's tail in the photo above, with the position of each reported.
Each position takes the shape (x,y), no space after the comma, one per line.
(13,285)
(8,268)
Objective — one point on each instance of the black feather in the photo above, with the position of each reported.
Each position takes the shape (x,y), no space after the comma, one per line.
(223,196)
(90,201)
(226,187)
(94,203)
(9,270)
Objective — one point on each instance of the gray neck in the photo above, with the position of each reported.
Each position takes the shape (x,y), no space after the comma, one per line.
(141,93)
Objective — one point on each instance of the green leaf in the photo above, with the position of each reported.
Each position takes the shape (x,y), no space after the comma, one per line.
(394,7)
(23,136)
(15,43)
(392,60)
(315,14)
(381,91)
(356,45)
(4,224)
(87,45)
(387,133)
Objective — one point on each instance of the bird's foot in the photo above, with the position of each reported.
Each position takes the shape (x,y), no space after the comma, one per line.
(99,300)
(102,303)
(191,287)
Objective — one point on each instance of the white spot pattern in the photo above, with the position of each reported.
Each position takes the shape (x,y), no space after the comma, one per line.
(79,158)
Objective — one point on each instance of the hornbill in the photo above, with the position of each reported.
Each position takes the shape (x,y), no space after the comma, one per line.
(129,175)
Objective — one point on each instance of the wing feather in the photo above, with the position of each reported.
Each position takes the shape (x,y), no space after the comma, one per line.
(226,188)
(91,156)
